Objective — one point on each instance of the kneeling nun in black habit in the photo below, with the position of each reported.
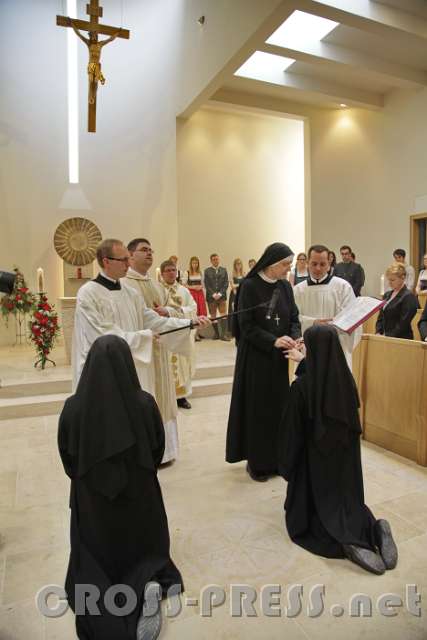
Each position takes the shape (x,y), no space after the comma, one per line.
(111,441)
(319,456)
(261,378)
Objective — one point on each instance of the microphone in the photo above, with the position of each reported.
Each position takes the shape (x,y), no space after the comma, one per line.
(272,304)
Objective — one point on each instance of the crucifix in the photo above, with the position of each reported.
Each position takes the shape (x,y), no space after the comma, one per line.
(94,46)
(277,319)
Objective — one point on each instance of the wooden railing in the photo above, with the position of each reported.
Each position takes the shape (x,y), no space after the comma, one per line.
(391,375)
(369,326)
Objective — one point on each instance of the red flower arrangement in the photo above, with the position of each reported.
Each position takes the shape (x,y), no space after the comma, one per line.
(20,301)
(44,330)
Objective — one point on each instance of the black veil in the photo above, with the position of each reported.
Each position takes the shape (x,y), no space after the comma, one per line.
(272,254)
(333,400)
(108,413)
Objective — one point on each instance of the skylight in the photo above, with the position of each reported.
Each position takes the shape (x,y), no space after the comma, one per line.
(263,65)
(302,28)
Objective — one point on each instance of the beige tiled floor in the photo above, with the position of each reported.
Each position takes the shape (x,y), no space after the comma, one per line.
(224,528)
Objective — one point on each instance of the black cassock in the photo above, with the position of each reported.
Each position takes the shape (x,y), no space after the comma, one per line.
(261,378)
(111,440)
(325,504)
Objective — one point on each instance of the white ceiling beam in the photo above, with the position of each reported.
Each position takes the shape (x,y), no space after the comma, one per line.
(416,7)
(279,15)
(331,91)
(262,103)
(367,16)
(324,53)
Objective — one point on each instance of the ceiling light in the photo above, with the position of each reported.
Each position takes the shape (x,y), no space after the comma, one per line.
(343,105)
(302,28)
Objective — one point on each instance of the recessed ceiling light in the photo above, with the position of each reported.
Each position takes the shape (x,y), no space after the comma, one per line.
(343,105)
(302,28)
(261,65)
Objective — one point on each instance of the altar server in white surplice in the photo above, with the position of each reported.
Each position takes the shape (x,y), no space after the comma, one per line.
(322,296)
(180,304)
(107,305)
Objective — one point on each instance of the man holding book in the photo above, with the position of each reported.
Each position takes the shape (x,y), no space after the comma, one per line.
(323,295)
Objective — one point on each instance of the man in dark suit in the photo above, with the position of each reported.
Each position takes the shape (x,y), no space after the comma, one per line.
(350,270)
(216,284)
(422,325)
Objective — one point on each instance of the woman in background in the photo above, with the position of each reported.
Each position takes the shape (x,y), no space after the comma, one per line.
(421,288)
(332,261)
(395,317)
(300,272)
(236,279)
(193,280)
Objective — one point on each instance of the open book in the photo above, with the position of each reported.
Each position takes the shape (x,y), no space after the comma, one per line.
(356,313)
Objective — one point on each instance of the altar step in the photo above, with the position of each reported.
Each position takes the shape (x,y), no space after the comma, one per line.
(46,397)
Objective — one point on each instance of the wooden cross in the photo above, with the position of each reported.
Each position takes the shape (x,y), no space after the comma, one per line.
(94,45)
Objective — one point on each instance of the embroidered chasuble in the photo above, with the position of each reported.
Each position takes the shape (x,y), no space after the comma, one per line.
(164,385)
(181,304)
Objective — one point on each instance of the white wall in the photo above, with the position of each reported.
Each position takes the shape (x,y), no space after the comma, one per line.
(128,167)
(368,171)
(240,184)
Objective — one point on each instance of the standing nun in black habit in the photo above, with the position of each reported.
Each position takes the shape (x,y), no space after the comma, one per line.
(319,456)
(261,379)
(111,441)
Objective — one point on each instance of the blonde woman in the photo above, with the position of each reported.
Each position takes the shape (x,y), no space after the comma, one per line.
(395,317)
(236,278)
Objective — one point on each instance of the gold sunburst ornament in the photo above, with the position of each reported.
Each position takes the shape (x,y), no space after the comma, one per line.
(76,240)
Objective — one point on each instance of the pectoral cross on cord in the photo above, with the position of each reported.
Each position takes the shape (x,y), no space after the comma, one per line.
(277,319)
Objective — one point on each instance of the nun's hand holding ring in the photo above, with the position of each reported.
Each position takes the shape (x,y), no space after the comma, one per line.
(285,342)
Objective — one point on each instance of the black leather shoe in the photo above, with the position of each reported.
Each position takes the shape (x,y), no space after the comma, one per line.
(258,477)
(386,544)
(183,403)
(225,339)
(365,558)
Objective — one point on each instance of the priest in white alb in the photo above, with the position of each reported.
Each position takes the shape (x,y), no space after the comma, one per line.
(180,304)
(322,296)
(107,305)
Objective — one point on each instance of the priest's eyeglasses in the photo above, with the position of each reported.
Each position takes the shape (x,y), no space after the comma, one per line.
(126,259)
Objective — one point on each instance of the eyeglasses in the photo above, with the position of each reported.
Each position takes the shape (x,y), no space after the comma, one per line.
(301,259)
(118,259)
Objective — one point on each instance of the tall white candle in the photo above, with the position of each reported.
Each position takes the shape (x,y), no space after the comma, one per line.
(40,280)
(382,285)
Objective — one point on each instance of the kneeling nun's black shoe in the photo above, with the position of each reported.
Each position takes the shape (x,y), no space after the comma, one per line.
(183,403)
(368,560)
(386,544)
(149,626)
(258,477)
